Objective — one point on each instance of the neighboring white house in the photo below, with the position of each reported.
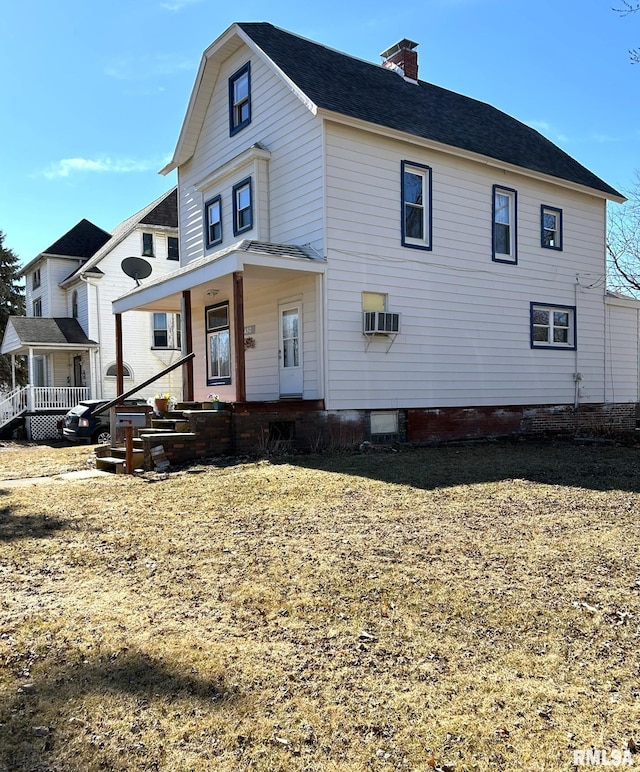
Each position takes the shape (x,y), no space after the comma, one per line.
(416,262)
(68,333)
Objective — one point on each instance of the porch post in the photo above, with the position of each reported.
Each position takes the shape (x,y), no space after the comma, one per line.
(13,372)
(119,357)
(187,347)
(238,336)
(30,401)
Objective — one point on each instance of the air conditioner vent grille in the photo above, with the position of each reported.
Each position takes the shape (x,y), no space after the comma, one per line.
(381,323)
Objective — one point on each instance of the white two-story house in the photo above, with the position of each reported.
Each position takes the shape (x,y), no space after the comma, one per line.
(68,333)
(399,260)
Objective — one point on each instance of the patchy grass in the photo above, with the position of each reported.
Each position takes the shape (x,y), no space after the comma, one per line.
(461,608)
(36,459)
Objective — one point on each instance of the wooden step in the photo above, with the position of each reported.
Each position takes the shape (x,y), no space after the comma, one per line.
(110,464)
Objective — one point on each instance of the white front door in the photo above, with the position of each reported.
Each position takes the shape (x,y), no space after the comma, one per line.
(290,353)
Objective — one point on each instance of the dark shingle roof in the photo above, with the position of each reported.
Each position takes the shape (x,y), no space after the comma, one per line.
(352,87)
(83,240)
(166,213)
(41,329)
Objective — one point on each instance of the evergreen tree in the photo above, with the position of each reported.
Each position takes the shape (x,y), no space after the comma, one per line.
(11,304)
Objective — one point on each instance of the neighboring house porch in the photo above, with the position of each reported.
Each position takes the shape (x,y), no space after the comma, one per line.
(61,359)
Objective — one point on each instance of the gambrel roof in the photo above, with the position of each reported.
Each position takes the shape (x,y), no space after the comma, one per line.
(342,85)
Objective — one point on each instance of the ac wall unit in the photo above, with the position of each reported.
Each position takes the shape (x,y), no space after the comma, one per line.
(381,323)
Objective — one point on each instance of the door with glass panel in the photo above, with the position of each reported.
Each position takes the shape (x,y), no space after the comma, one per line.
(290,352)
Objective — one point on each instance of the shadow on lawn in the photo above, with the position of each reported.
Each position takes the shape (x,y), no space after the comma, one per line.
(593,466)
(34,719)
(14,527)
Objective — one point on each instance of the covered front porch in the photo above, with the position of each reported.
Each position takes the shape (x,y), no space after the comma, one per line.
(252,315)
(61,366)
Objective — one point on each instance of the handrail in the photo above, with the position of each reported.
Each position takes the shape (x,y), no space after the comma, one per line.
(126,394)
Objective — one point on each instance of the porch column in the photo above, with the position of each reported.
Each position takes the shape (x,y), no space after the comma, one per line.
(30,401)
(187,347)
(238,337)
(119,357)
(13,372)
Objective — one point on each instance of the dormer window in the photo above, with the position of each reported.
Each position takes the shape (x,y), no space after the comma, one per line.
(240,99)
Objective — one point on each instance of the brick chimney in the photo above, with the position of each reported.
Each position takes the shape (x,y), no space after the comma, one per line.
(403,59)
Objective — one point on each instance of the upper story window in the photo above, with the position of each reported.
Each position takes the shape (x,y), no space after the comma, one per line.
(504,225)
(240,99)
(147,245)
(416,205)
(37,307)
(173,252)
(35,279)
(551,227)
(242,207)
(74,304)
(213,221)
(553,326)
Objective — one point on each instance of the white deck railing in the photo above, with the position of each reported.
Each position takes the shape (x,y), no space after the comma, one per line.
(35,398)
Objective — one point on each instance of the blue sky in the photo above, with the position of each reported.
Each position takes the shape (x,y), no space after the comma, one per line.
(94,93)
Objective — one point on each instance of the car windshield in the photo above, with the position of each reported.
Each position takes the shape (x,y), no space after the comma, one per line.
(80,409)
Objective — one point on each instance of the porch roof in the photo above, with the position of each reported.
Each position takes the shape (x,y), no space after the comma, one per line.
(218,265)
(28,332)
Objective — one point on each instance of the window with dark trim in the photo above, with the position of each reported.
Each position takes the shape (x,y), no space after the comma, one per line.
(504,215)
(213,222)
(147,244)
(74,304)
(37,307)
(218,344)
(173,252)
(416,205)
(553,326)
(242,207)
(550,227)
(36,279)
(240,99)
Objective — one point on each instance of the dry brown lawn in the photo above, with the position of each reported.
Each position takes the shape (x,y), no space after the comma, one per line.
(455,608)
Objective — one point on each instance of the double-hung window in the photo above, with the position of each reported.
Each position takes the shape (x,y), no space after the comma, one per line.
(416,205)
(551,227)
(553,326)
(36,279)
(504,225)
(37,307)
(213,221)
(240,99)
(218,344)
(166,330)
(242,207)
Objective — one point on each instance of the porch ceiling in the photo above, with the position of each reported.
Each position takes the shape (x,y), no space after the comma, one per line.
(266,263)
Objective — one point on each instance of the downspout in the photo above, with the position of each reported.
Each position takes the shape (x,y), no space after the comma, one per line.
(577,375)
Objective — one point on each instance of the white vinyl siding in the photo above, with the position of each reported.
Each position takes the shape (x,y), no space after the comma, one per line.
(287,190)
(465,337)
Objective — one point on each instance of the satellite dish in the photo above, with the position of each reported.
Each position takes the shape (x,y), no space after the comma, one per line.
(136,268)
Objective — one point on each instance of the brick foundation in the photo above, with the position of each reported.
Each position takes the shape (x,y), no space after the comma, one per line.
(283,428)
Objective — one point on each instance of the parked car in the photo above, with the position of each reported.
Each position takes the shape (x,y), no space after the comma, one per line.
(85,422)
